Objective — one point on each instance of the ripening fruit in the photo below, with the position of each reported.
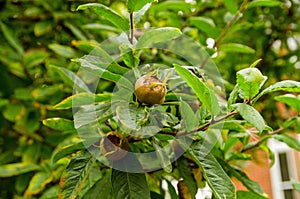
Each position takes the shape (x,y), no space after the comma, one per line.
(114,146)
(149,89)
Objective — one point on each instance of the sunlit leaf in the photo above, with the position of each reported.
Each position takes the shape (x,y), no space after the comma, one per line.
(61,124)
(156,36)
(14,169)
(136,5)
(296,185)
(286,85)
(232,6)
(248,195)
(249,81)
(62,50)
(291,100)
(288,140)
(267,3)
(80,99)
(236,48)
(108,14)
(205,95)
(38,183)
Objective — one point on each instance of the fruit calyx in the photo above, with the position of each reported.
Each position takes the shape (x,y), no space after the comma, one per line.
(114,146)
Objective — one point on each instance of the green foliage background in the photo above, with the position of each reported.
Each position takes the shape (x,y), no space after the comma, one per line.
(38,37)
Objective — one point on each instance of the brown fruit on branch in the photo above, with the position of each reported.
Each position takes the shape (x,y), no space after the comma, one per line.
(114,146)
(150,90)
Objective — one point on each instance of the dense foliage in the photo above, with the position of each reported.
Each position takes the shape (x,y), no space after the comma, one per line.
(62,60)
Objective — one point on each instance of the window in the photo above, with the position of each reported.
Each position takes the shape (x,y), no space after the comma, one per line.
(283,171)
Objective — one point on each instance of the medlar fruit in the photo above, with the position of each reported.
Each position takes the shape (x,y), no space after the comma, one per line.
(114,146)
(149,89)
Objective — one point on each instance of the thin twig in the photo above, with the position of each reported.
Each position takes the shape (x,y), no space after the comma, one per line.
(257,144)
(203,127)
(131,27)
(230,23)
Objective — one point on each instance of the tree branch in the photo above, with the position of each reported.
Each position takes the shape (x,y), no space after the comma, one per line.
(257,144)
(230,23)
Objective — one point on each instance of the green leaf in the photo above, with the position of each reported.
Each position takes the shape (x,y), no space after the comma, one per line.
(188,116)
(172,191)
(174,6)
(71,78)
(205,24)
(232,6)
(80,99)
(288,140)
(255,63)
(34,57)
(76,31)
(62,50)
(102,189)
(233,96)
(162,155)
(267,3)
(131,117)
(91,114)
(242,177)
(250,80)
(156,36)
(286,85)
(11,38)
(251,115)
(129,185)
(43,27)
(205,95)
(291,100)
(289,122)
(78,172)
(130,56)
(103,71)
(103,61)
(236,48)
(248,195)
(38,183)
(60,124)
(137,16)
(296,185)
(66,151)
(50,193)
(187,175)
(136,5)
(219,182)
(108,14)
(15,169)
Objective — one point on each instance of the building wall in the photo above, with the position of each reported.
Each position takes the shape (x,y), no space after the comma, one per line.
(258,171)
